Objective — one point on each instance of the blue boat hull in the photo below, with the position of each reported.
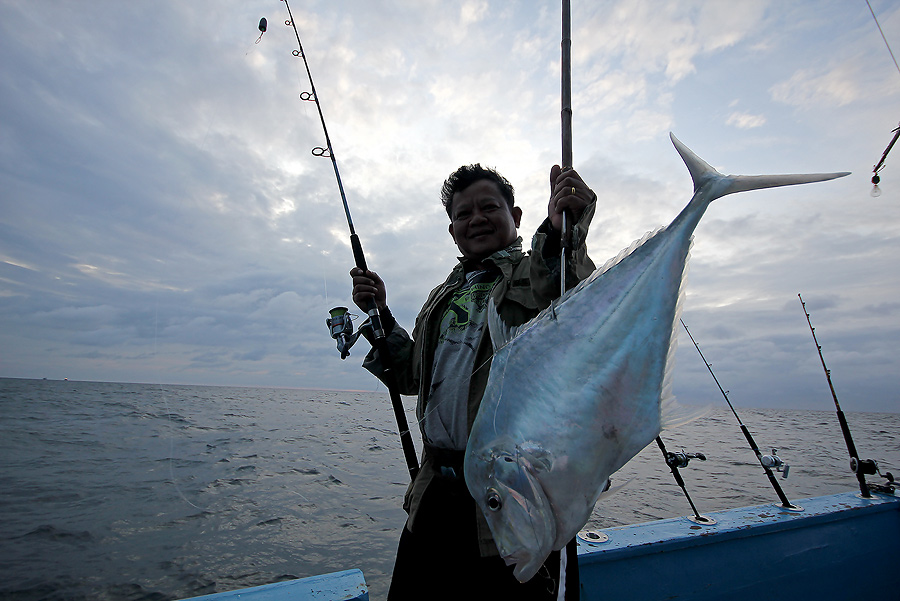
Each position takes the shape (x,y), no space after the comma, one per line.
(348,585)
(838,547)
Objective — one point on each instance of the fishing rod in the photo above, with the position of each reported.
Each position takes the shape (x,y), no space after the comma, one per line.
(766,461)
(565,241)
(876,179)
(857,466)
(679,460)
(340,323)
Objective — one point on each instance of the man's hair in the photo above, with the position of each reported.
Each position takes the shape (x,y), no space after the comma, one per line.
(467,175)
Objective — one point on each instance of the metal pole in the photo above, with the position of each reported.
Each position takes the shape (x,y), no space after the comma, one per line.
(566,123)
(566,81)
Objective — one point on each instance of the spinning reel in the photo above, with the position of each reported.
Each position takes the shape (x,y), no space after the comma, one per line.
(341,325)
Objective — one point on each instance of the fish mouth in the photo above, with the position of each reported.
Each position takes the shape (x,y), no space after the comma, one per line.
(515,555)
(524,562)
(525,570)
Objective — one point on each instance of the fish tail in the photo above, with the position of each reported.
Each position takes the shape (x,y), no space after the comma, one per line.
(703,174)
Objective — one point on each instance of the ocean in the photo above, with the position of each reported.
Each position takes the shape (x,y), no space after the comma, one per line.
(137,492)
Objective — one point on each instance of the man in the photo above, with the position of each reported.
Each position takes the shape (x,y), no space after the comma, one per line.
(446,550)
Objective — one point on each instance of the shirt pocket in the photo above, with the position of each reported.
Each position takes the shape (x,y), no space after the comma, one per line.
(519,304)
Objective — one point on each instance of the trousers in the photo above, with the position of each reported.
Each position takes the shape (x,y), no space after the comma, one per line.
(440,559)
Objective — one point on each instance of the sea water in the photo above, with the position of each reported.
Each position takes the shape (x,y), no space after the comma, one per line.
(116,491)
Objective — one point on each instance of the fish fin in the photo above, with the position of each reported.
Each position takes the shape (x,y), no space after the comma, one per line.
(614,489)
(607,266)
(742,183)
(701,172)
(699,169)
(673,414)
(501,333)
(538,459)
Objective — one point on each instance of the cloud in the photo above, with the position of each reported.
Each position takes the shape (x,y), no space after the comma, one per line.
(163,219)
(746,120)
(472,11)
(806,88)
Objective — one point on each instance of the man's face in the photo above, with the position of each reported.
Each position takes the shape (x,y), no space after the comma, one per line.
(481,223)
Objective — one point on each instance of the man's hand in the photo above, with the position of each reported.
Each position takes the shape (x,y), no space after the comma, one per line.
(367,286)
(567,191)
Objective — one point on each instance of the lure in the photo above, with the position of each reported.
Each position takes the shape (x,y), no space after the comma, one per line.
(262,29)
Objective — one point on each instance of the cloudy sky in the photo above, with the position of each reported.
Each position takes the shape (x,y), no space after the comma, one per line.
(163,220)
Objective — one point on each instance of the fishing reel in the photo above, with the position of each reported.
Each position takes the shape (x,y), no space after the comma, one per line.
(341,326)
(682,459)
(888,487)
(774,461)
(869,467)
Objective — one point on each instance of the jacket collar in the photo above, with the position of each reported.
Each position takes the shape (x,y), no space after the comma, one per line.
(501,259)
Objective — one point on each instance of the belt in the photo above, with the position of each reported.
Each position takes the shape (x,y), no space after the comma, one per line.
(447,463)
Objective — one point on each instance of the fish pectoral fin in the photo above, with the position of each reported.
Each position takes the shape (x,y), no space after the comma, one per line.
(501,333)
(536,458)
(613,490)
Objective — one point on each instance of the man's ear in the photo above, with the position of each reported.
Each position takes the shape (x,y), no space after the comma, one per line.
(452,235)
(516,215)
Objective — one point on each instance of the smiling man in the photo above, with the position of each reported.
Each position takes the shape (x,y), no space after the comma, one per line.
(446,550)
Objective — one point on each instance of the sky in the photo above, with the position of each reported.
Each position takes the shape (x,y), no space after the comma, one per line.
(163,220)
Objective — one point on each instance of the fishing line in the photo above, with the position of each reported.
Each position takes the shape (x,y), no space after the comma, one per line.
(432,407)
(891,52)
(168,411)
(214,113)
(170,417)
(172,453)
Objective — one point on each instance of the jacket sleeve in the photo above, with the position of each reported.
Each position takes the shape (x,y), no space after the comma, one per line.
(401,348)
(545,260)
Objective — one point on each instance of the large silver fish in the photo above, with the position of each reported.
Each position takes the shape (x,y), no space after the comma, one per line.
(583,387)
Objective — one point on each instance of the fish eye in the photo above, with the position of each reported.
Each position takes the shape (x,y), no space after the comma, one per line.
(494,503)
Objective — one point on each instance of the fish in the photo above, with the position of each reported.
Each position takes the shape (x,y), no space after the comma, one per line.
(579,390)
